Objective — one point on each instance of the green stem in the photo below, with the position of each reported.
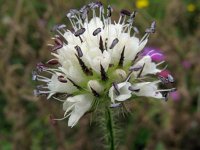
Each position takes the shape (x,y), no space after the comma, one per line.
(110,129)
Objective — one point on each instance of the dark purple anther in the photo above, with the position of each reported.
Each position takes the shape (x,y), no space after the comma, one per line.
(84,11)
(94,5)
(79,51)
(84,8)
(125,12)
(135,68)
(40,67)
(56,47)
(97,31)
(58,44)
(52,62)
(115,41)
(62,79)
(72,13)
(79,32)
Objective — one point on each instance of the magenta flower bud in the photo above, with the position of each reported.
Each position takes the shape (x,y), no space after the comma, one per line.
(165,76)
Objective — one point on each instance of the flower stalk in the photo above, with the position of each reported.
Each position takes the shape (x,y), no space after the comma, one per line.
(109,124)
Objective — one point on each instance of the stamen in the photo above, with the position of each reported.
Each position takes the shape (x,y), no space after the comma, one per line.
(58,41)
(116,88)
(133,68)
(60,119)
(62,79)
(41,67)
(103,73)
(84,11)
(94,5)
(79,51)
(165,92)
(125,12)
(79,32)
(50,45)
(109,11)
(56,47)
(121,61)
(152,29)
(52,62)
(115,41)
(58,99)
(52,121)
(97,31)
(133,15)
(37,92)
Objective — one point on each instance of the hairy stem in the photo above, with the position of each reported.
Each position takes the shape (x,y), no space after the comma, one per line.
(109,124)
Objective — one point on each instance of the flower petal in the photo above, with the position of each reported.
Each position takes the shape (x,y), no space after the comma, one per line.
(78,105)
(148,89)
(124,92)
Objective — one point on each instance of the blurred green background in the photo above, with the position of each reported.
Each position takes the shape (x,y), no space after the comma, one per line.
(152,124)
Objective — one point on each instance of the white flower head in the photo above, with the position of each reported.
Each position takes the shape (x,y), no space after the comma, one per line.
(97,59)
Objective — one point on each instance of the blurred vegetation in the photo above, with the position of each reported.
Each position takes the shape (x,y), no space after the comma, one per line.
(152,124)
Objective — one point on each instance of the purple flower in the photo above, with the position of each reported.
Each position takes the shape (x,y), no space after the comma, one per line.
(155,54)
(176,96)
(186,64)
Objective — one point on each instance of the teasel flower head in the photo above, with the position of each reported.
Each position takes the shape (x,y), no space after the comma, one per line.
(100,61)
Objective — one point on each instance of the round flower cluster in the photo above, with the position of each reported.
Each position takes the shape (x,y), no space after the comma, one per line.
(100,61)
